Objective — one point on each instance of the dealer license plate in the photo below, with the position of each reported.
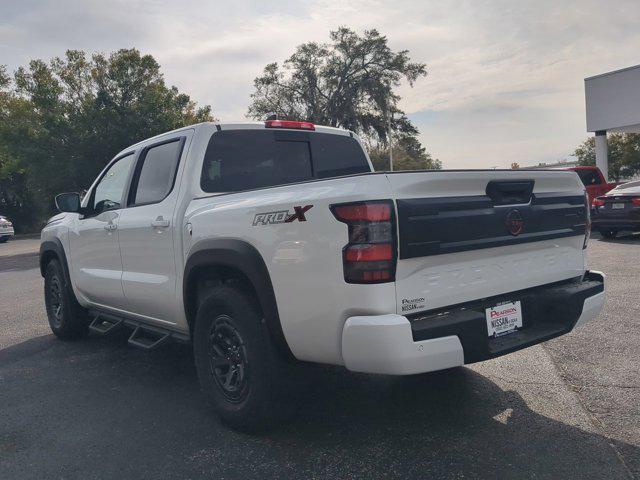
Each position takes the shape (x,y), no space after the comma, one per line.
(617,205)
(504,318)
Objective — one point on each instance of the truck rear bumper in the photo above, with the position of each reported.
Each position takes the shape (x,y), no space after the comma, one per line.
(384,344)
(397,345)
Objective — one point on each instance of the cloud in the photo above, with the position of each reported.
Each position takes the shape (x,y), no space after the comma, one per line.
(505,78)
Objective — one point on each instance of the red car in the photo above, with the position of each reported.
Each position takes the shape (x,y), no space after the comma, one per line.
(593,180)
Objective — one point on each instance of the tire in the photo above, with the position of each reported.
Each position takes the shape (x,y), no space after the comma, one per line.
(3,239)
(67,319)
(609,233)
(239,369)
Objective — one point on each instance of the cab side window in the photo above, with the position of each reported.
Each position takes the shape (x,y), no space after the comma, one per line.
(109,192)
(156,173)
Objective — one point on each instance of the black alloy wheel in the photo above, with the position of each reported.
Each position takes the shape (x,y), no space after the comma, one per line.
(240,372)
(67,319)
(56,301)
(228,360)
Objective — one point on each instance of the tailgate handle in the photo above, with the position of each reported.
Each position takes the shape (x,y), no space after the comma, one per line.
(510,192)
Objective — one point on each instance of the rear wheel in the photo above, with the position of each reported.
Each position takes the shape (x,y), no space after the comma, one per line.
(67,319)
(239,369)
(609,233)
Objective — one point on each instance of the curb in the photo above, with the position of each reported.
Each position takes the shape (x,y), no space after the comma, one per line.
(25,236)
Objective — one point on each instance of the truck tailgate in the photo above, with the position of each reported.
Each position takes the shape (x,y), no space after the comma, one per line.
(467,235)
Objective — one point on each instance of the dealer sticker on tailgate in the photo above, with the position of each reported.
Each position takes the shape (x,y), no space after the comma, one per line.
(504,318)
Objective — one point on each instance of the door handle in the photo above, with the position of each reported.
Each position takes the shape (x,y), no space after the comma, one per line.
(110,227)
(160,223)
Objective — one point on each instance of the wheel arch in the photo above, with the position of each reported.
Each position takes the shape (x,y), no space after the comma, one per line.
(233,255)
(50,250)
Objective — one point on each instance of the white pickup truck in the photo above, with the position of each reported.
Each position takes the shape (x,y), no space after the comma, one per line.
(267,243)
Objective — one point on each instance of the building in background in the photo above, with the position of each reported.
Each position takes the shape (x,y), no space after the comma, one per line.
(613,105)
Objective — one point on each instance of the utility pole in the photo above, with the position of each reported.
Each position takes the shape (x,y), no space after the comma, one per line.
(389,118)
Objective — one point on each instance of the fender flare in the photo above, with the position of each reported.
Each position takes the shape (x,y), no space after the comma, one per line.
(54,246)
(244,257)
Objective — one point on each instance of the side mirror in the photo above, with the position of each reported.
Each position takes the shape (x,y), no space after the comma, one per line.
(68,202)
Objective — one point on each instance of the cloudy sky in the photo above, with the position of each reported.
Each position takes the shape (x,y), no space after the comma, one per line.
(505,79)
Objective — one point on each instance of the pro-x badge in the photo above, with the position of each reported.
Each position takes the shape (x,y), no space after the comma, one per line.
(281,216)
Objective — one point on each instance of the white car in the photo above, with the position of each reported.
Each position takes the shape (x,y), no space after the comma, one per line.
(269,243)
(6,229)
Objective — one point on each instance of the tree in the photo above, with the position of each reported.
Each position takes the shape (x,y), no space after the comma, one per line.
(62,121)
(348,83)
(624,154)
(408,154)
(15,196)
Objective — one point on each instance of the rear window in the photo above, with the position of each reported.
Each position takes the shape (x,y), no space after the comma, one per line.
(629,187)
(246,159)
(589,177)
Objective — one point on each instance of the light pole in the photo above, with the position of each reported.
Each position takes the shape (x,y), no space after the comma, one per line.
(389,118)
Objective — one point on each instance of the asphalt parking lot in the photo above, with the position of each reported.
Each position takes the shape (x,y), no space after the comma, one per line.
(96,408)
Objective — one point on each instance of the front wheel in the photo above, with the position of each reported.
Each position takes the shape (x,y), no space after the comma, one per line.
(67,318)
(3,239)
(609,233)
(238,367)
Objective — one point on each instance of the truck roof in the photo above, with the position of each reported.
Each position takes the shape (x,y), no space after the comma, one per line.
(240,126)
(262,125)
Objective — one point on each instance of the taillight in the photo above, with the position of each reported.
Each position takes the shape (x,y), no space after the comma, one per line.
(370,255)
(587,226)
(289,124)
(636,201)
(598,202)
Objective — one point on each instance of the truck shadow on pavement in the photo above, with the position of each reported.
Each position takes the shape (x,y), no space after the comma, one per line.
(25,261)
(621,238)
(100,409)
